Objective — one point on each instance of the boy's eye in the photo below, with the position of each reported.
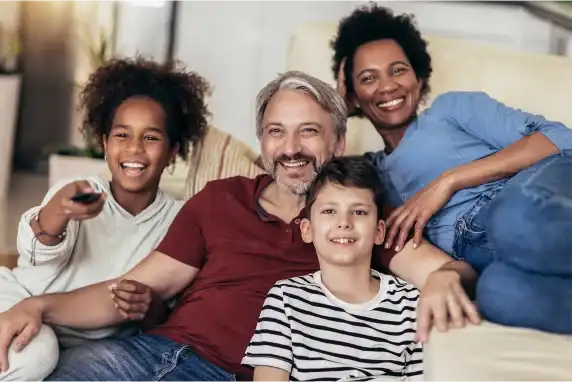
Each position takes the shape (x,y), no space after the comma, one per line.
(152,138)
(328,211)
(121,135)
(360,212)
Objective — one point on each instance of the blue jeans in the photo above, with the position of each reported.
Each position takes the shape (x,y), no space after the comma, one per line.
(142,357)
(519,238)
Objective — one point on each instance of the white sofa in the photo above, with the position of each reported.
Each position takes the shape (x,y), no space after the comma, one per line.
(536,83)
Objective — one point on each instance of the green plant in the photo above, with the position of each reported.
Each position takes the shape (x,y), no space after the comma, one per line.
(10,49)
(99,46)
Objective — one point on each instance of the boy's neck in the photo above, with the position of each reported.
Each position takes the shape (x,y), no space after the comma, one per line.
(352,284)
(133,202)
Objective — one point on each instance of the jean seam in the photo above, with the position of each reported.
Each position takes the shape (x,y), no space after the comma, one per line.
(172,364)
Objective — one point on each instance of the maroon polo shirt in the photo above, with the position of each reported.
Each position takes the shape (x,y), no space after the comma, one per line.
(242,251)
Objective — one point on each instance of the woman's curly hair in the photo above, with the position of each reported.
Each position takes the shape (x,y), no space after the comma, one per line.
(181,93)
(373,22)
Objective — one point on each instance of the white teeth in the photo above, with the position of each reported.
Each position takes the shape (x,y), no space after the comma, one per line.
(343,240)
(133,165)
(294,164)
(391,103)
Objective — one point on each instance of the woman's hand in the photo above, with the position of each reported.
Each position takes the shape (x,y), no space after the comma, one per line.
(444,304)
(343,91)
(416,212)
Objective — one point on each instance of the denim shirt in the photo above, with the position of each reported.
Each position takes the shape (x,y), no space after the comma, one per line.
(458,128)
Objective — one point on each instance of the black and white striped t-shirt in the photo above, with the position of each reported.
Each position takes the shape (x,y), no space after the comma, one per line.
(304,329)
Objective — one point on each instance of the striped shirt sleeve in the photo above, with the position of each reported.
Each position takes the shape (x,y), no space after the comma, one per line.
(414,361)
(271,344)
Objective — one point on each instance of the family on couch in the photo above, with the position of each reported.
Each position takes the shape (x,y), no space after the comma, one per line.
(458,174)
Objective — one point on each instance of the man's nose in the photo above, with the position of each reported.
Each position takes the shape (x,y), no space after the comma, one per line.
(292,146)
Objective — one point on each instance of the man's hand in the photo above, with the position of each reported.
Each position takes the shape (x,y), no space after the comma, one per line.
(444,303)
(18,326)
(132,299)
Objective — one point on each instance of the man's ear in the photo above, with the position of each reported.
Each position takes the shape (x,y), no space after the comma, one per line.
(306,230)
(380,233)
(104,140)
(340,148)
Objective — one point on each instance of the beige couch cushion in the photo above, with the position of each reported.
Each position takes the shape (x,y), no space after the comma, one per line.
(533,82)
(490,352)
(219,156)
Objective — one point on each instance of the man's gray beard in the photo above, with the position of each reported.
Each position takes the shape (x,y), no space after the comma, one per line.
(299,189)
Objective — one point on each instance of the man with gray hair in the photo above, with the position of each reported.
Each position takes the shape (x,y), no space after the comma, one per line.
(226,248)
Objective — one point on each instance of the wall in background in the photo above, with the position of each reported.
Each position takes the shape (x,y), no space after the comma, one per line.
(10,14)
(239,55)
(47,90)
(239,47)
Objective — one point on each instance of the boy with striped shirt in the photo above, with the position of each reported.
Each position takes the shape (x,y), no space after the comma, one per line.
(346,321)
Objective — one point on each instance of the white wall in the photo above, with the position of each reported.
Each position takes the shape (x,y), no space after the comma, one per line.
(10,14)
(241,46)
(505,26)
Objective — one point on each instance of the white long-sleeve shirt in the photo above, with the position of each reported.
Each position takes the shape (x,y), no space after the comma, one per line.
(94,250)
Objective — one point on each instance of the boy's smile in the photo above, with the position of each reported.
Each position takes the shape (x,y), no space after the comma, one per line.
(343,225)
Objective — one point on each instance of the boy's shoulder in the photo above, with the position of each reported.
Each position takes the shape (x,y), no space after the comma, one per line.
(297,282)
(399,287)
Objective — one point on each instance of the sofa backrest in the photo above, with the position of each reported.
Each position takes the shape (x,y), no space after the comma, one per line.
(537,83)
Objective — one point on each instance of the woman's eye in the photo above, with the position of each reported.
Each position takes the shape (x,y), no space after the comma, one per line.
(367,79)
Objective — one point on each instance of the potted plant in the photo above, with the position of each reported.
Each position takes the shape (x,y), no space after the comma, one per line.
(10,82)
(72,161)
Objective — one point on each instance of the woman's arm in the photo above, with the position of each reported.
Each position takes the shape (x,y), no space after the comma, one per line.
(505,163)
(415,265)
(446,287)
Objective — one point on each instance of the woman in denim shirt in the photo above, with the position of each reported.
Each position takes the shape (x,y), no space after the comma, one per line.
(484,182)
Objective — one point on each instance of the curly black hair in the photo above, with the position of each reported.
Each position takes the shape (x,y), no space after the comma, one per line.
(373,22)
(181,93)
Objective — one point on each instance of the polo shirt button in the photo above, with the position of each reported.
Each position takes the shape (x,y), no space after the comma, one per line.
(288,229)
(297,221)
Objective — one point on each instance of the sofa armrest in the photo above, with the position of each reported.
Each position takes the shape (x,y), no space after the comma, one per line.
(8,260)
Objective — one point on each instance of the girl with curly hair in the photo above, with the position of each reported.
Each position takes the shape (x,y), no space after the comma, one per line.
(88,230)
(484,182)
